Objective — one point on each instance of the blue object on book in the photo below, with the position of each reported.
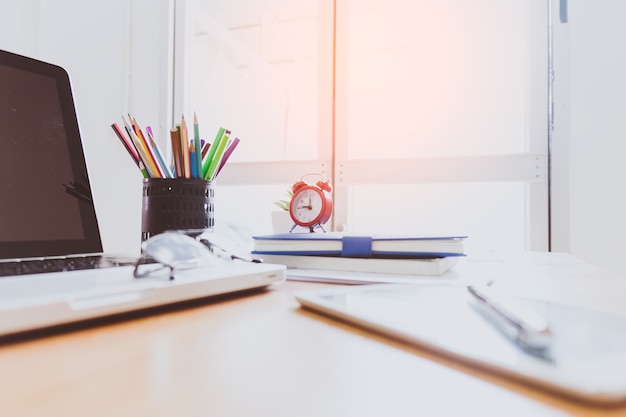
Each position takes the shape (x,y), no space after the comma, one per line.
(353,246)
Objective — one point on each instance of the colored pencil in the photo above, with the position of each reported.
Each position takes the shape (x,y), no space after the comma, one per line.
(140,150)
(176,152)
(159,155)
(191,157)
(197,146)
(130,148)
(184,143)
(227,153)
(152,161)
(207,162)
(193,162)
(217,157)
(205,150)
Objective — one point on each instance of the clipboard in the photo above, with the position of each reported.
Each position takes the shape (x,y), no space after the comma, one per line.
(588,356)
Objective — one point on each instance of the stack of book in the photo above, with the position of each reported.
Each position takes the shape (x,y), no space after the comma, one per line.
(409,255)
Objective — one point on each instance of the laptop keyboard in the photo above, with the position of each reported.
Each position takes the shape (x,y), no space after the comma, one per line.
(74,263)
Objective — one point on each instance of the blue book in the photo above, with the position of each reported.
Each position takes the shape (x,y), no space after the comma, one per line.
(358,246)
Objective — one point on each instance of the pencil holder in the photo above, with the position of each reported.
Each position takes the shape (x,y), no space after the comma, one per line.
(182,204)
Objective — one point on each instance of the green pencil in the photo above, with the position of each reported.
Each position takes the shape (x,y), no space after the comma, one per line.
(217,157)
(212,149)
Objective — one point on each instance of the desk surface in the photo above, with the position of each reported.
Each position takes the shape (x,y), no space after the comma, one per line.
(256,354)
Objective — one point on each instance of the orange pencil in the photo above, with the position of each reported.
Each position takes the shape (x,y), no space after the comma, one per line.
(141,150)
(152,160)
(176,152)
(184,146)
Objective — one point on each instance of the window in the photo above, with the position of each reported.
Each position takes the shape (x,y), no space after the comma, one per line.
(429,116)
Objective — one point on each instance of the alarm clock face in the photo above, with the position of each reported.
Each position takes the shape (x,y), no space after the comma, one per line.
(307,206)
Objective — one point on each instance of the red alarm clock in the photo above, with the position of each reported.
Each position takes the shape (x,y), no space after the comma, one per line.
(311,205)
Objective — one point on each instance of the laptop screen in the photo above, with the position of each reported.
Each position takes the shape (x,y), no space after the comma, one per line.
(46,204)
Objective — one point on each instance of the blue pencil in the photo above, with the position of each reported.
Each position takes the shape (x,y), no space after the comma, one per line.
(159,155)
(193,164)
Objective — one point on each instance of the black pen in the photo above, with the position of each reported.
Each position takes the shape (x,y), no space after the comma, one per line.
(527,329)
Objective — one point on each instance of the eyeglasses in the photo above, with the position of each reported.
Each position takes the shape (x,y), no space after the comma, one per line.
(173,251)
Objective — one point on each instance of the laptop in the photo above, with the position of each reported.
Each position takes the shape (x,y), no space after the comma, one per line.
(52,268)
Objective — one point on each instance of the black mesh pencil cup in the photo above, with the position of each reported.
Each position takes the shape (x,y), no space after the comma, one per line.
(183,204)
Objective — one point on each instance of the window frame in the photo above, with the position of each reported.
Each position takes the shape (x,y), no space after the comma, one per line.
(530,167)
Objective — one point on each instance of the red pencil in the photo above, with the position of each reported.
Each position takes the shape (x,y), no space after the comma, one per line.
(127,143)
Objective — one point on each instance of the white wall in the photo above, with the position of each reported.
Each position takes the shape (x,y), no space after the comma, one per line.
(590,178)
(114,51)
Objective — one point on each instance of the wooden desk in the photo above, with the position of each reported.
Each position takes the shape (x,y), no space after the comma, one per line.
(253,355)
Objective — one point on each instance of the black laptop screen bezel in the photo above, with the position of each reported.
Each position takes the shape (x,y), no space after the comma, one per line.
(91,242)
